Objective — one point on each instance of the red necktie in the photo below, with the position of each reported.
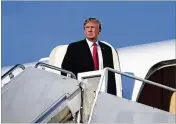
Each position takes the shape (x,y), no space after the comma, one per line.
(95,57)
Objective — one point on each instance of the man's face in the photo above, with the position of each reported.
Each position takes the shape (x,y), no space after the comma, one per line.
(91,30)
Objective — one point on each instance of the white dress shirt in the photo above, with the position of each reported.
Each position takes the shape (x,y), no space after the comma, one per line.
(100,57)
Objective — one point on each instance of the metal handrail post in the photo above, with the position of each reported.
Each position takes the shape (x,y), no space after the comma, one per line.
(55,68)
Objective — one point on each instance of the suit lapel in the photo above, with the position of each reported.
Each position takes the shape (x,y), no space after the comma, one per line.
(87,53)
(103,50)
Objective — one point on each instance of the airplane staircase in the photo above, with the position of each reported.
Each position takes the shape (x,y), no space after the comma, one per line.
(39,95)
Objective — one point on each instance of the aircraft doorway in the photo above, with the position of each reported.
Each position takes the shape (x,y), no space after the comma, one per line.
(164,73)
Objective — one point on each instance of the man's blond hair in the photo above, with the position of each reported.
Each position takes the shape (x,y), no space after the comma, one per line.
(94,20)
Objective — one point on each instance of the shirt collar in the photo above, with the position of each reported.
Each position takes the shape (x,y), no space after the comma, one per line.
(90,43)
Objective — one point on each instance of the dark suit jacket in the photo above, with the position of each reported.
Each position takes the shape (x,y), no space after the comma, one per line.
(78,58)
